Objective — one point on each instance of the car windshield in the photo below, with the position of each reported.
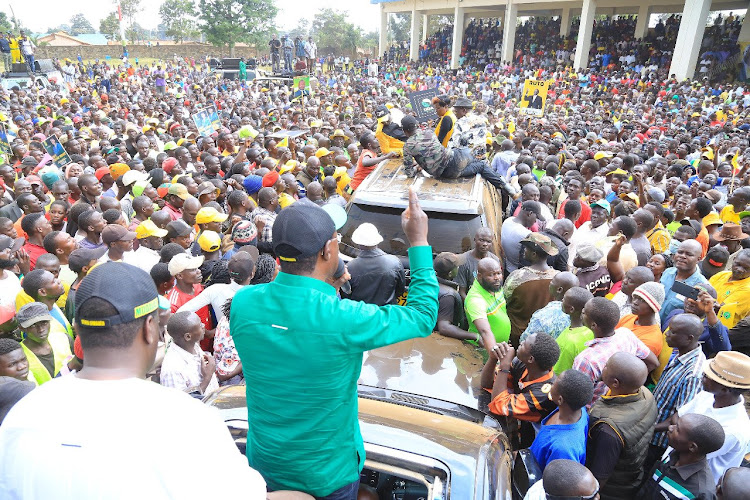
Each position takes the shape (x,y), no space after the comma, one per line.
(447,232)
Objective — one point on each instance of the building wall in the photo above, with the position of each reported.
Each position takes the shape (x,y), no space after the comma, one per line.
(198,51)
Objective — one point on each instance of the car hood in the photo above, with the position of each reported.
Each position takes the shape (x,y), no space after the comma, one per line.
(435,367)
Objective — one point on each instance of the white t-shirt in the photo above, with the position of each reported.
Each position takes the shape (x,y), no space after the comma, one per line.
(10,286)
(119,439)
(736,426)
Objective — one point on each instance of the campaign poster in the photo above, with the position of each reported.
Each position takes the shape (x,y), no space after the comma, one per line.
(215,121)
(4,141)
(421,104)
(744,73)
(534,97)
(56,150)
(302,88)
(203,123)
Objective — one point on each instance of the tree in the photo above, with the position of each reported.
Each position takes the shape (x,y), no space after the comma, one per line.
(110,26)
(369,42)
(302,30)
(130,9)
(177,16)
(79,24)
(136,33)
(227,22)
(334,34)
(399,27)
(5,24)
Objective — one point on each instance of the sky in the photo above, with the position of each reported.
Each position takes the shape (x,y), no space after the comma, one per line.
(40,15)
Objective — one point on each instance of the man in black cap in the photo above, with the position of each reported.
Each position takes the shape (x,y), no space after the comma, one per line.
(321,344)
(102,445)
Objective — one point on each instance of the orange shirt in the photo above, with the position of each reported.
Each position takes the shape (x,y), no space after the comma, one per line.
(702,238)
(649,335)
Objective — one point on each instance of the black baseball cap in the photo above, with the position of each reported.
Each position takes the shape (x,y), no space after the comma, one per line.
(301,231)
(130,290)
(81,257)
(178,228)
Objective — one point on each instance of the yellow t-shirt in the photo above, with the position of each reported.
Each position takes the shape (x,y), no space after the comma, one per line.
(728,215)
(732,296)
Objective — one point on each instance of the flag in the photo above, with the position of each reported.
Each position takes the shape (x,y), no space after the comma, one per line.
(735,162)
(284,143)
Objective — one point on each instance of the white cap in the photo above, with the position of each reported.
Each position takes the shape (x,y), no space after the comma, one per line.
(183,261)
(366,235)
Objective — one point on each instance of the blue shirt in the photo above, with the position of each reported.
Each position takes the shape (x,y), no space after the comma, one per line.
(673,301)
(550,319)
(561,441)
(713,339)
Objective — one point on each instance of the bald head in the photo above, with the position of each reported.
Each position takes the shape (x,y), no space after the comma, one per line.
(561,283)
(629,371)
(488,265)
(191,204)
(266,195)
(564,228)
(734,484)
(315,191)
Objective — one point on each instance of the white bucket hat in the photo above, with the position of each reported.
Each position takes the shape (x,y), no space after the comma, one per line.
(366,235)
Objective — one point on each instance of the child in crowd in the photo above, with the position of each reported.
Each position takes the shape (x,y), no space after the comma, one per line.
(563,432)
(186,367)
(573,339)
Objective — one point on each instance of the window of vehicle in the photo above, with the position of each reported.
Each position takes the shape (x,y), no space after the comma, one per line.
(447,232)
(399,475)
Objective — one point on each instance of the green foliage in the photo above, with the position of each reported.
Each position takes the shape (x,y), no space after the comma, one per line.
(399,27)
(130,9)
(136,33)
(334,33)
(110,26)
(79,24)
(5,23)
(226,22)
(178,19)
(302,30)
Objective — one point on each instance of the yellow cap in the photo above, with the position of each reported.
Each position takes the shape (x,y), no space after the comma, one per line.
(209,241)
(148,228)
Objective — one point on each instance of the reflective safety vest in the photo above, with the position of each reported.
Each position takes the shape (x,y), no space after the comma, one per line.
(448,136)
(60,350)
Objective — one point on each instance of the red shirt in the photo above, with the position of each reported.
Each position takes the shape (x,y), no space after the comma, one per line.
(34,252)
(178,298)
(585,213)
(173,212)
(362,172)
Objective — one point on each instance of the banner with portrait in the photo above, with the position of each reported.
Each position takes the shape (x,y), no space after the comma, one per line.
(5,141)
(302,88)
(207,121)
(534,97)
(421,104)
(56,150)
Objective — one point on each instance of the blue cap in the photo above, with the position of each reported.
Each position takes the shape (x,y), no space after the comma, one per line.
(252,183)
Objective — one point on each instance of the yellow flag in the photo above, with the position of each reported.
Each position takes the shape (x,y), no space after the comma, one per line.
(511,127)
(283,143)
(735,161)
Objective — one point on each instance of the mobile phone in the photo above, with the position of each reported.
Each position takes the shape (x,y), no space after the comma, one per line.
(685,290)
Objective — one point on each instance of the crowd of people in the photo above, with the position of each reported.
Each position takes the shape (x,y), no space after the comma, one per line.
(156,261)
(614,45)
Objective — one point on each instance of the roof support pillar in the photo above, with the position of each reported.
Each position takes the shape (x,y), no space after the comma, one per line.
(509,31)
(689,38)
(583,45)
(458,35)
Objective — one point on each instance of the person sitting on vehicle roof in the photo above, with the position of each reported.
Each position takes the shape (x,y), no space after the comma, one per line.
(390,135)
(520,382)
(423,148)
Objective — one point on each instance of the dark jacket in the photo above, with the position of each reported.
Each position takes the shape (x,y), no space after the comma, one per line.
(559,261)
(377,278)
(12,211)
(633,418)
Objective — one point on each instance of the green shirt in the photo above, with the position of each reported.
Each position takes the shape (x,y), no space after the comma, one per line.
(301,351)
(571,342)
(481,304)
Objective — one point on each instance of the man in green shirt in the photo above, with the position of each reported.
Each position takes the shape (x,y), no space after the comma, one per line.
(572,340)
(301,351)
(485,305)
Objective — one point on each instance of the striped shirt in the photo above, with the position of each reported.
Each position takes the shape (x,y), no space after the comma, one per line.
(671,482)
(679,383)
(524,400)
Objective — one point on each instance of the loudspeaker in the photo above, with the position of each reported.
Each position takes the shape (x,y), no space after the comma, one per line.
(230,63)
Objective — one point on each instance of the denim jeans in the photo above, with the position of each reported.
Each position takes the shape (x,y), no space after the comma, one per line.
(29,62)
(348,492)
(463,164)
(287,60)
